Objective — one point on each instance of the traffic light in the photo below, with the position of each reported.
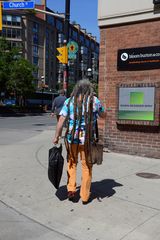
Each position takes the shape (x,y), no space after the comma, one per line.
(0,16)
(63,58)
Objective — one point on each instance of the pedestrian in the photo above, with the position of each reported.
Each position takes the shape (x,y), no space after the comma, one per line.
(80,112)
(58,104)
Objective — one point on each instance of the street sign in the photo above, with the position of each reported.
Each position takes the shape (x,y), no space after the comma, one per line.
(0,16)
(18,5)
(63,58)
(72,49)
(71,55)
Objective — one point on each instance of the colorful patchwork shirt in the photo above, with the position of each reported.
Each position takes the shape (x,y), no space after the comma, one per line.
(79,136)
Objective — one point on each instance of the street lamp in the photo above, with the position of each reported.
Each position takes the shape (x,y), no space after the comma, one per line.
(42,89)
(89,73)
(66,33)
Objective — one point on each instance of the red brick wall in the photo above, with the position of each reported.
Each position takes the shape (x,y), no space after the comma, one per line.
(141,140)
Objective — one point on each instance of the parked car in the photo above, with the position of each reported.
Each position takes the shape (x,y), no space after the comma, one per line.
(9,102)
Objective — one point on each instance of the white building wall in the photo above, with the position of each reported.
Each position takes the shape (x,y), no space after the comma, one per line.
(122,11)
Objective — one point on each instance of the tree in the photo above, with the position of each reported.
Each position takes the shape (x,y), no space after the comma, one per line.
(16,73)
(6,59)
(21,79)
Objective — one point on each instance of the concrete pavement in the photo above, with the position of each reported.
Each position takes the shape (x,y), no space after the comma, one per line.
(124,205)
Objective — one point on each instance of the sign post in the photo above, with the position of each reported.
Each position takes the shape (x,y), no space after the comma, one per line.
(0,17)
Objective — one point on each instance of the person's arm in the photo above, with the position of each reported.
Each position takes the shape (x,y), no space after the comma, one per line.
(53,105)
(63,115)
(53,108)
(59,129)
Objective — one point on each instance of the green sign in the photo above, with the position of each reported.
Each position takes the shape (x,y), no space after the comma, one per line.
(136,103)
(72,49)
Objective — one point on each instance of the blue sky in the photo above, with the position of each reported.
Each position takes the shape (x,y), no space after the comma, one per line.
(84,12)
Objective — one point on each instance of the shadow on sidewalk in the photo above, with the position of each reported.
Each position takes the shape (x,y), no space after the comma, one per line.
(104,188)
(99,190)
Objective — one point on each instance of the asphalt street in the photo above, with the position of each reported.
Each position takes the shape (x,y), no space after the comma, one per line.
(18,128)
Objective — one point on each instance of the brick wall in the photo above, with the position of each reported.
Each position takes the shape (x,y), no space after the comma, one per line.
(128,138)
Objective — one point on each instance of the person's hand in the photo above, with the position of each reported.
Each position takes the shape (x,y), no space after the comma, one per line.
(52,114)
(55,140)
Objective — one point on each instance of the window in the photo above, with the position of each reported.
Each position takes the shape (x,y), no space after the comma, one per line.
(81,38)
(35,50)
(35,60)
(35,27)
(74,35)
(8,33)
(59,25)
(16,21)
(11,20)
(50,20)
(92,46)
(11,33)
(35,38)
(87,42)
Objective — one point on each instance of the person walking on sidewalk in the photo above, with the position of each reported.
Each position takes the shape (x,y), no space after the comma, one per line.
(80,112)
(58,104)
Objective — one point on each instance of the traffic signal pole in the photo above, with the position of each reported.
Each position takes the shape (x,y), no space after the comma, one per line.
(66,40)
(0,16)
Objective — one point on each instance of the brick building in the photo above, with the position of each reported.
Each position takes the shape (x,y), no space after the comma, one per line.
(129,75)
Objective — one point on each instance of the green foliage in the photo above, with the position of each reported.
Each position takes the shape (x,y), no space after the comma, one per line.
(6,57)
(70,88)
(15,71)
(21,78)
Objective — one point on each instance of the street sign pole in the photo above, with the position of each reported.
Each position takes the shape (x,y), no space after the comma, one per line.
(66,32)
(0,16)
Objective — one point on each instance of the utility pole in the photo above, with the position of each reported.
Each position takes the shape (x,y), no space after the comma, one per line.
(66,32)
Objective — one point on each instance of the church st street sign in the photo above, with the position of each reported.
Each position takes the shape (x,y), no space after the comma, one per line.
(18,5)
(145,58)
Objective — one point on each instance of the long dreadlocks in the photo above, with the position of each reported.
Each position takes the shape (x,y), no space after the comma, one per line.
(82,98)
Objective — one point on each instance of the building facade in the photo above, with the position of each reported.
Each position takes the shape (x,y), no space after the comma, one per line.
(129,69)
(39,35)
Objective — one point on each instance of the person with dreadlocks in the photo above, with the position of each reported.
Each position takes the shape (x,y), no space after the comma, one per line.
(80,112)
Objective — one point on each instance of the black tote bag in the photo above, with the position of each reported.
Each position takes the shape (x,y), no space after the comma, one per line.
(55,165)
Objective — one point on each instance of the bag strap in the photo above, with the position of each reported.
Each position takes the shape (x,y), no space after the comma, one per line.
(96,131)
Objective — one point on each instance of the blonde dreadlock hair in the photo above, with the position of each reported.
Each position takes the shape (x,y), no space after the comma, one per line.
(82,97)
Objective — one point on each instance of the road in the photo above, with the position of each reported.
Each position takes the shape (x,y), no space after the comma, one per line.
(17,128)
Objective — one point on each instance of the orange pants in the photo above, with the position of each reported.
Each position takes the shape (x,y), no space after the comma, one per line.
(86,172)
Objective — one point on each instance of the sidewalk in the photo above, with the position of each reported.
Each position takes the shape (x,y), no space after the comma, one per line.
(124,205)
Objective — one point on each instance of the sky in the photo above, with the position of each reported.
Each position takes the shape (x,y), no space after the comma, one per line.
(83,12)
